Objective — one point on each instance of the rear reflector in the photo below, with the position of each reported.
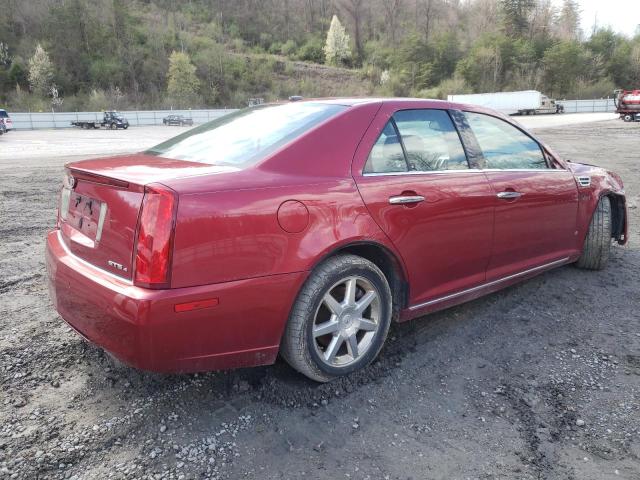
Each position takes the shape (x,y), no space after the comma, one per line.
(155,237)
(197,305)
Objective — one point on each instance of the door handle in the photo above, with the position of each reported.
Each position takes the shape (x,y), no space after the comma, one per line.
(508,195)
(405,199)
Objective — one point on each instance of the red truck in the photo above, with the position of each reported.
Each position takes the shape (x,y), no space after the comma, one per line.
(628,104)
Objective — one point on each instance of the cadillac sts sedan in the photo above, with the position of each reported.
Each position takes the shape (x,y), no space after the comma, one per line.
(305,229)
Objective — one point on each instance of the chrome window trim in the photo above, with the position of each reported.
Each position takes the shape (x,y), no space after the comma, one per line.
(489,284)
(524,170)
(463,170)
(416,172)
(91,266)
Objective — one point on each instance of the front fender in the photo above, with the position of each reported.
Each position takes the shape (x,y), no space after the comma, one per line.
(601,183)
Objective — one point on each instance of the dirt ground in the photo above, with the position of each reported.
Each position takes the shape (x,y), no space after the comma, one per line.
(539,381)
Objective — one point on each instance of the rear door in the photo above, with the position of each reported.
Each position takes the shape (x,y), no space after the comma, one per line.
(414,177)
(536,201)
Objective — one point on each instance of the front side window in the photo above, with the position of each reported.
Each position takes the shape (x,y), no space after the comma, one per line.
(417,140)
(245,137)
(503,145)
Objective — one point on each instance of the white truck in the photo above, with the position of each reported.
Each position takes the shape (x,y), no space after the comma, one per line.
(527,102)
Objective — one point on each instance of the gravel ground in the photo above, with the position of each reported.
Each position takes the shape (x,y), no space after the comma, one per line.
(539,381)
(69,143)
(565,119)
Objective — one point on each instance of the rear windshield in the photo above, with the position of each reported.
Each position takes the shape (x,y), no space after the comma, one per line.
(4,114)
(247,136)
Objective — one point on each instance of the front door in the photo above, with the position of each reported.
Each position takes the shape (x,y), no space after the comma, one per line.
(536,202)
(413,174)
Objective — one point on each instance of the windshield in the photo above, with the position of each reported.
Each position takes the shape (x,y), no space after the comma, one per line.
(247,136)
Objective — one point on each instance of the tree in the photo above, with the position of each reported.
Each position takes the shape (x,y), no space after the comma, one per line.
(483,67)
(337,49)
(516,15)
(569,21)
(40,72)
(5,58)
(56,99)
(392,9)
(564,64)
(355,9)
(182,82)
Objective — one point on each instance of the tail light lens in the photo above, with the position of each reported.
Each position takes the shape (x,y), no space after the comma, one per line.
(155,237)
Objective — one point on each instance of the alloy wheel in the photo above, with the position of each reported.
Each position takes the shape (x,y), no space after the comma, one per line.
(346,321)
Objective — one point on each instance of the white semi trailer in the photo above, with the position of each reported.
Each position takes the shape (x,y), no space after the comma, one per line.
(527,102)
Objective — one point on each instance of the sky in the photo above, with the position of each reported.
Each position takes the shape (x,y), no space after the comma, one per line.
(621,15)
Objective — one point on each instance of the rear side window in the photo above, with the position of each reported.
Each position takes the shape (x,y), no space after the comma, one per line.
(245,137)
(503,145)
(4,114)
(417,140)
(386,155)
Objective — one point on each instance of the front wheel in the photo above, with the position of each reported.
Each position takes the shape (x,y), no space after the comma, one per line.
(597,244)
(340,319)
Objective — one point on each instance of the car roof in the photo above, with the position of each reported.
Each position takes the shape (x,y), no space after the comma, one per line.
(401,103)
(351,101)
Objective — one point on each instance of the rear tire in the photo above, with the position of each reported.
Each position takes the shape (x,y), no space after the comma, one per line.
(597,244)
(332,333)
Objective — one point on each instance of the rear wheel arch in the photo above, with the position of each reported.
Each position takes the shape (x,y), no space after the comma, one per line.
(349,332)
(387,261)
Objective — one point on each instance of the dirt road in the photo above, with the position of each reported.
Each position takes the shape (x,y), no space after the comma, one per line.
(540,381)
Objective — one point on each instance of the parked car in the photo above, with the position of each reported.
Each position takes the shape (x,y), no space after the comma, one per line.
(177,120)
(306,228)
(6,119)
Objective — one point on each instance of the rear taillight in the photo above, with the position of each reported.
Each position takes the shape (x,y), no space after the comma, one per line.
(155,237)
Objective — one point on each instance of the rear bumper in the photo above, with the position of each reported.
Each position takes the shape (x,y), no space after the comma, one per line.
(141,328)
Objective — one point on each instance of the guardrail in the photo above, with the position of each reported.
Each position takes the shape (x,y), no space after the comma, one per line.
(35,121)
(586,106)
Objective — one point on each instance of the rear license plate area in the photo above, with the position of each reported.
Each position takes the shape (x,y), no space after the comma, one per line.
(84,214)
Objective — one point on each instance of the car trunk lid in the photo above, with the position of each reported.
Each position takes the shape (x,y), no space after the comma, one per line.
(100,205)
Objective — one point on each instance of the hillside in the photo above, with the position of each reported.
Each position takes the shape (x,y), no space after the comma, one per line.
(308,79)
(88,55)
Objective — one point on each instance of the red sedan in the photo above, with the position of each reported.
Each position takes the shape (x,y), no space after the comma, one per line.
(306,228)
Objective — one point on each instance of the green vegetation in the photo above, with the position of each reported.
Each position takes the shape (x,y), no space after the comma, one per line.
(182,81)
(218,53)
